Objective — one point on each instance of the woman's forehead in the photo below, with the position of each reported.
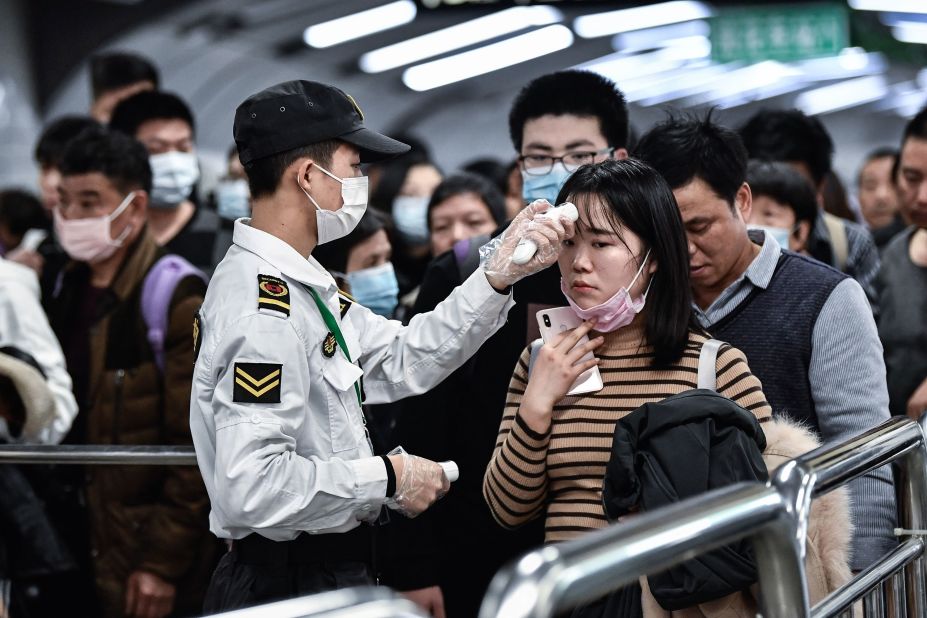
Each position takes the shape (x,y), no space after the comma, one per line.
(595,215)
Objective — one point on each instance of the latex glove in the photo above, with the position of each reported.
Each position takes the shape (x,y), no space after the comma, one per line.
(421,483)
(548,233)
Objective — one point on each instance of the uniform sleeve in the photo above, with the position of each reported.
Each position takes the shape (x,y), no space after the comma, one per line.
(27,329)
(179,520)
(515,485)
(261,482)
(847,377)
(402,361)
(736,382)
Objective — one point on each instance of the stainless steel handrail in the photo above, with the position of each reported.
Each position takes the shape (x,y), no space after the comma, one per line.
(774,516)
(362,602)
(98,454)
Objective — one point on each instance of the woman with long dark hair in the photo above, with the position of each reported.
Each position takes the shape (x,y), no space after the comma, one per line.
(626,273)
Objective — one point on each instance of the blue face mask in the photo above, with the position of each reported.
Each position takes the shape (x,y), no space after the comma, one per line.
(780,234)
(376,288)
(410,214)
(233,199)
(544,187)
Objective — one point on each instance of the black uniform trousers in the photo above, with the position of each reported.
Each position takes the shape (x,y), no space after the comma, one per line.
(257,570)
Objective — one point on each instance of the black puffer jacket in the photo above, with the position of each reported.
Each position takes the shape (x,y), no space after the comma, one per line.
(677,448)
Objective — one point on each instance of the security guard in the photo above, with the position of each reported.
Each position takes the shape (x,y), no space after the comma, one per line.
(284,360)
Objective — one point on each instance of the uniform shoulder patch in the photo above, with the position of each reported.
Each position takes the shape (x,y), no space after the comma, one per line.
(345,301)
(273,295)
(197,335)
(257,383)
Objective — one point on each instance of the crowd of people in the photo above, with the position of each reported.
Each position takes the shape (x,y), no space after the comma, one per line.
(338,313)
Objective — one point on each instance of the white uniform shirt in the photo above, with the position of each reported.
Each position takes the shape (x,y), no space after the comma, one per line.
(23,325)
(305,464)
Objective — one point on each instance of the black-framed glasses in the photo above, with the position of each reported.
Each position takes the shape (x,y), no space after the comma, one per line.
(540,164)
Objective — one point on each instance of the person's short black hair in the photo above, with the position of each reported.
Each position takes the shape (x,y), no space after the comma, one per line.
(120,158)
(683,148)
(21,211)
(265,174)
(393,176)
(458,184)
(579,93)
(56,135)
(334,255)
(781,182)
(789,135)
(113,70)
(131,113)
(640,200)
(493,170)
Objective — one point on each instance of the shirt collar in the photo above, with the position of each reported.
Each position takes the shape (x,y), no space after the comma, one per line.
(761,269)
(282,256)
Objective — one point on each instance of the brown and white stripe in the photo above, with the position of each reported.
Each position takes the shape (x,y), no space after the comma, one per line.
(561,473)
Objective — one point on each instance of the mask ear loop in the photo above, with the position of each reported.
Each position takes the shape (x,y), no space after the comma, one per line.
(639,271)
(113,215)
(301,188)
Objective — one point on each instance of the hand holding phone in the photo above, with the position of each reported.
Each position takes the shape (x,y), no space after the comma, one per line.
(553,323)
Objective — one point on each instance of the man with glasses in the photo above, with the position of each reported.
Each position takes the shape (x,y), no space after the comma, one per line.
(557,123)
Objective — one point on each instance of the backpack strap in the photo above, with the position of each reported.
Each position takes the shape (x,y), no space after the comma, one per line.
(707,364)
(839,245)
(157,291)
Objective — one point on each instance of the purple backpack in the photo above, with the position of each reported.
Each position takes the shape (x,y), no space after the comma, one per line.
(157,291)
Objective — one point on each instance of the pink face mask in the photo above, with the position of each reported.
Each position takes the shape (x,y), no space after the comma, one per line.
(617,311)
(89,240)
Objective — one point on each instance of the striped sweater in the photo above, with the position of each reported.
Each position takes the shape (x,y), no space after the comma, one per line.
(560,473)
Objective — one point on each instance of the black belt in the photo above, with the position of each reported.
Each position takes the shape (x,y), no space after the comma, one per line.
(353,546)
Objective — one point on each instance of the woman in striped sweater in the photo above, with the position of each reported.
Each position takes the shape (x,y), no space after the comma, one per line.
(552,449)
(551,452)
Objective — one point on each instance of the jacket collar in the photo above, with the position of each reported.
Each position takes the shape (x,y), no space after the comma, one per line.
(282,256)
(139,259)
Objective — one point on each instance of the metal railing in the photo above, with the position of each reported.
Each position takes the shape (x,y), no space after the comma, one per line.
(364,602)
(98,455)
(774,516)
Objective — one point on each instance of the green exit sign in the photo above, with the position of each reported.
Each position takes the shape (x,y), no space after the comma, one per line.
(779,32)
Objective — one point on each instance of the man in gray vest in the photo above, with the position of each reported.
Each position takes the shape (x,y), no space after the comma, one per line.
(806,328)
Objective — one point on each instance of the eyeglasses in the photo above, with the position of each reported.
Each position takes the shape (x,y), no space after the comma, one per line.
(539,164)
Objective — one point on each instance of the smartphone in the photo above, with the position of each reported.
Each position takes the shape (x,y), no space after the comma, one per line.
(558,320)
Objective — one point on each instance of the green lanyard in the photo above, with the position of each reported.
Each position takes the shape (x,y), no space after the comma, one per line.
(332,325)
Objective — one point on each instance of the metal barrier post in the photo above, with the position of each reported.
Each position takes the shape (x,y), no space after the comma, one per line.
(361,602)
(912,505)
(565,575)
(780,549)
(97,454)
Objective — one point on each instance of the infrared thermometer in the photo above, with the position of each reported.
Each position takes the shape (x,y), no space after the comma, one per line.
(527,248)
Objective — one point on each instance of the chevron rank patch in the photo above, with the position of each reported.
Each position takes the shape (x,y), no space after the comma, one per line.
(257,383)
(273,294)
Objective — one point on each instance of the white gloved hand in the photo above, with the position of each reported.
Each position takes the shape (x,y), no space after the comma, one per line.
(420,485)
(547,233)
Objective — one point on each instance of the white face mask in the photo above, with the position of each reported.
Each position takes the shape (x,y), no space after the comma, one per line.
(89,240)
(334,224)
(780,234)
(173,175)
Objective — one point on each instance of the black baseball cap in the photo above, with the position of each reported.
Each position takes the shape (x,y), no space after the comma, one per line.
(299,113)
